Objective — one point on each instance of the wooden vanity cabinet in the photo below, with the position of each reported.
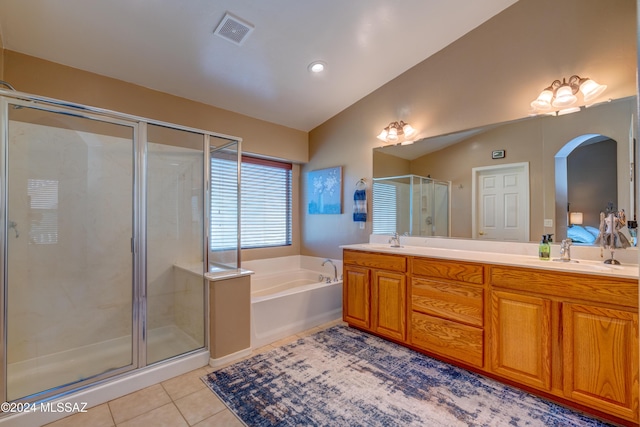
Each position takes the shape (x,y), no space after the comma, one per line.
(356,296)
(521,338)
(447,309)
(572,336)
(389,304)
(374,293)
(601,358)
(588,354)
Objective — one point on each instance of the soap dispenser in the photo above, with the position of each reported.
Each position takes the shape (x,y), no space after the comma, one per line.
(544,251)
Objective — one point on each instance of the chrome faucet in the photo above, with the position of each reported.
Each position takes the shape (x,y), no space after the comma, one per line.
(335,270)
(396,239)
(565,250)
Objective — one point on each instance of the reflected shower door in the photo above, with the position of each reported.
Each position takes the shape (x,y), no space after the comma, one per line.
(175,243)
(441,213)
(69,265)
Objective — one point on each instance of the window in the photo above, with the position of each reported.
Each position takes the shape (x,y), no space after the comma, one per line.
(384,208)
(43,201)
(265,201)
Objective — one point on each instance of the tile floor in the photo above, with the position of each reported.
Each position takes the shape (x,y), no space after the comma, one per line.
(181,401)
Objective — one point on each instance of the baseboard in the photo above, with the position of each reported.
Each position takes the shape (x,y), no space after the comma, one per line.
(224,360)
(294,328)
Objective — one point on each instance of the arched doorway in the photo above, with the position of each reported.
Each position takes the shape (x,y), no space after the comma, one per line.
(585,180)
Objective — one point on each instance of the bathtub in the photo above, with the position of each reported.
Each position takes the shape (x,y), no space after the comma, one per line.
(288,296)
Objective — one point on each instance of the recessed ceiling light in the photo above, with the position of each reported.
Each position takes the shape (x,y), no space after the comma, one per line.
(317,66)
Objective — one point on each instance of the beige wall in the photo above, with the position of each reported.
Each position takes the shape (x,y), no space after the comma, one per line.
(36,76)
(1,58)
(388,165)
(230,316)
(488,76)
(40,77)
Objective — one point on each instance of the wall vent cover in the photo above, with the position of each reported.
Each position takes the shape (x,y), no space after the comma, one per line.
(233,29)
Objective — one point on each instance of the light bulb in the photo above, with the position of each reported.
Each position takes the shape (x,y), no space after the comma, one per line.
(317,67)
(564,97)
(591,89)
(543,102)
(408,130)
(392,136)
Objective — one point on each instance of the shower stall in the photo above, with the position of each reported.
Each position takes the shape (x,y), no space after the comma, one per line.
(412,205)
(104,222)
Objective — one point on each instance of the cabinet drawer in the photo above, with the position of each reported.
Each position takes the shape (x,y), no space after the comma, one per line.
(376,260)
(447,338)
(452,301)
(579,286)
(453,270)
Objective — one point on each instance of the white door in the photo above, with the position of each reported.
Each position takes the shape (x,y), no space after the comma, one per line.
(501,202)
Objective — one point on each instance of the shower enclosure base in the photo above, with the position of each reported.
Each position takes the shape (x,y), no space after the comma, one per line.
(112,389)
(42,373)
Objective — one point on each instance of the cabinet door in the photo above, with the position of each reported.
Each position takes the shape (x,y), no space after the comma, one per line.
(521,338)
(390,304)
(356,296)
(601,358)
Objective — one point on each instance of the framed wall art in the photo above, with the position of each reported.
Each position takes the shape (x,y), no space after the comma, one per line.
(324,187)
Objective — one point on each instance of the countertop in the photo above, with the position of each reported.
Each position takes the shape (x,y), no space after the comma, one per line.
(213,274)
(627,271)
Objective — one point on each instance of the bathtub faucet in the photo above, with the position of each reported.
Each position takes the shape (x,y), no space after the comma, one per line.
(335,270)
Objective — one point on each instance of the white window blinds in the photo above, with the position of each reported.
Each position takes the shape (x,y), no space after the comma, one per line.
(223,214)
(265,204)
(384,208)
(43,201)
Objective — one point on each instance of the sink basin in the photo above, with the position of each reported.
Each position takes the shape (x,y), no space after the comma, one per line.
(590,265)
(381,246)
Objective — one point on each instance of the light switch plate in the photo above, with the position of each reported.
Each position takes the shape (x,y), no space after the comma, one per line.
(548,223)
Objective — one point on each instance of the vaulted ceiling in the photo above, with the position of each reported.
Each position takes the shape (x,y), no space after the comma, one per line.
(170,46)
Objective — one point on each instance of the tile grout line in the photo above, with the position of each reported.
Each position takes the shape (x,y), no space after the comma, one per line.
(111,414)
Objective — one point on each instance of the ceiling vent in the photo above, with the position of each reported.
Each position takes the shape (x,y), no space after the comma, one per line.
(233,29)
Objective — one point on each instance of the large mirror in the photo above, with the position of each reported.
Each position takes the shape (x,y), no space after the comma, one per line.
(574,163)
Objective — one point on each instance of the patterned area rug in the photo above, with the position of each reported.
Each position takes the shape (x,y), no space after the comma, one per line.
(344,377)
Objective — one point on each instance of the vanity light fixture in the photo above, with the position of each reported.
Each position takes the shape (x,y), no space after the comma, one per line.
(561,95)
(398,132)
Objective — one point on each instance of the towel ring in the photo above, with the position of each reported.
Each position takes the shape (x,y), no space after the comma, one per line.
(361,184)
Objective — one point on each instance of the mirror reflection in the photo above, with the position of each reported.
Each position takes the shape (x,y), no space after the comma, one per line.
(531,173)
(411,205)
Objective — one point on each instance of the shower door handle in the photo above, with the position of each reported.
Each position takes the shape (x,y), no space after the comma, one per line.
(14,225)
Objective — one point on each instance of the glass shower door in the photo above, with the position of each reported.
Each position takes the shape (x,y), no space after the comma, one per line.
(68,263)
(441,204)
(175,243)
